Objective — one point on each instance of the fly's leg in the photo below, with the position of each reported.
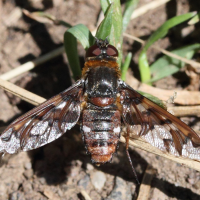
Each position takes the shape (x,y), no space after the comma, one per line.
(128,155)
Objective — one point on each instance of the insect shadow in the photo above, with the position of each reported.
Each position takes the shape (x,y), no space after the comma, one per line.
(173,191)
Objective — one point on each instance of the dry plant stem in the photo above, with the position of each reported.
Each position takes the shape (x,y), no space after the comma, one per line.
(180,111)
(31,64)
(36,100)
(193,64)
(21,93)
(182,98)
(177,111)
(85,195)
(149,6)
(50,194)
(145,186)
(147,147)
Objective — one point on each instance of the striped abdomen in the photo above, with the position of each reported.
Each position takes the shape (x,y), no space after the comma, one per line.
(101,132)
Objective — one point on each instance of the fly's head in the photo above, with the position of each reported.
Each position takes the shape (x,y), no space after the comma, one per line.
(102,50)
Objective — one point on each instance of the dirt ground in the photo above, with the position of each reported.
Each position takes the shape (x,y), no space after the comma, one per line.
(62,169)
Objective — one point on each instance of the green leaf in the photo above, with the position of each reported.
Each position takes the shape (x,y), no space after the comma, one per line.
(111,26)
(159,33)
(104,5)
(129,8)
(163,30)
(85,37)
(166,65)
(83,34)
(154,99)
(145,73)
(125,66)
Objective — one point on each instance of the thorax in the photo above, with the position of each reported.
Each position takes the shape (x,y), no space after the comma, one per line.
(101,83)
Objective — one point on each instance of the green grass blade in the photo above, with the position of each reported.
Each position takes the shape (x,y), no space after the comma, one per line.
(166,65)
(129,8)
(70,44)
(163,30)
(145,73)
(111,26)
(85,37)
(104,5)
(159,33)
(154,99)
(125,66)
(83,34)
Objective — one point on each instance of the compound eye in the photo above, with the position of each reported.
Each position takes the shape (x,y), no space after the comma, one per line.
(93,51)
(112,51)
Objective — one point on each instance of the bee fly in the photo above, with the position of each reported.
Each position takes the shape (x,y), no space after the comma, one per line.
(103,104)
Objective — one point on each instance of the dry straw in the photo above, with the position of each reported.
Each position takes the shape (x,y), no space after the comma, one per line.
(36,100)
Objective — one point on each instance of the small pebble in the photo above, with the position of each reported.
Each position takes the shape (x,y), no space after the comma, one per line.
(84,182)
(3,190)
(15,187)
(98,180)
(27,187)
(79,163)
(42,180)
(121,191)
(28,173)
(18,195)
(89,167)
(197,185)
(28,165)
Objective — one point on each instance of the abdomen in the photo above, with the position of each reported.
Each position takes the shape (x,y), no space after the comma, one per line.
(101,132)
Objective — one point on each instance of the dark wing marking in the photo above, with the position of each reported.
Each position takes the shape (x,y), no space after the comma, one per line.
(157,126)
(44,123)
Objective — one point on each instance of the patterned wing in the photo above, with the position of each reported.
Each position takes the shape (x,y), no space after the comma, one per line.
(45,123)
(158,127)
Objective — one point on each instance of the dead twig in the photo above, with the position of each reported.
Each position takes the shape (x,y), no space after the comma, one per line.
(85,195)
(162,94)
(145,186)
(31,64)
(183,97)
(21,93)
(147,147)
(180,111)
(50,194)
